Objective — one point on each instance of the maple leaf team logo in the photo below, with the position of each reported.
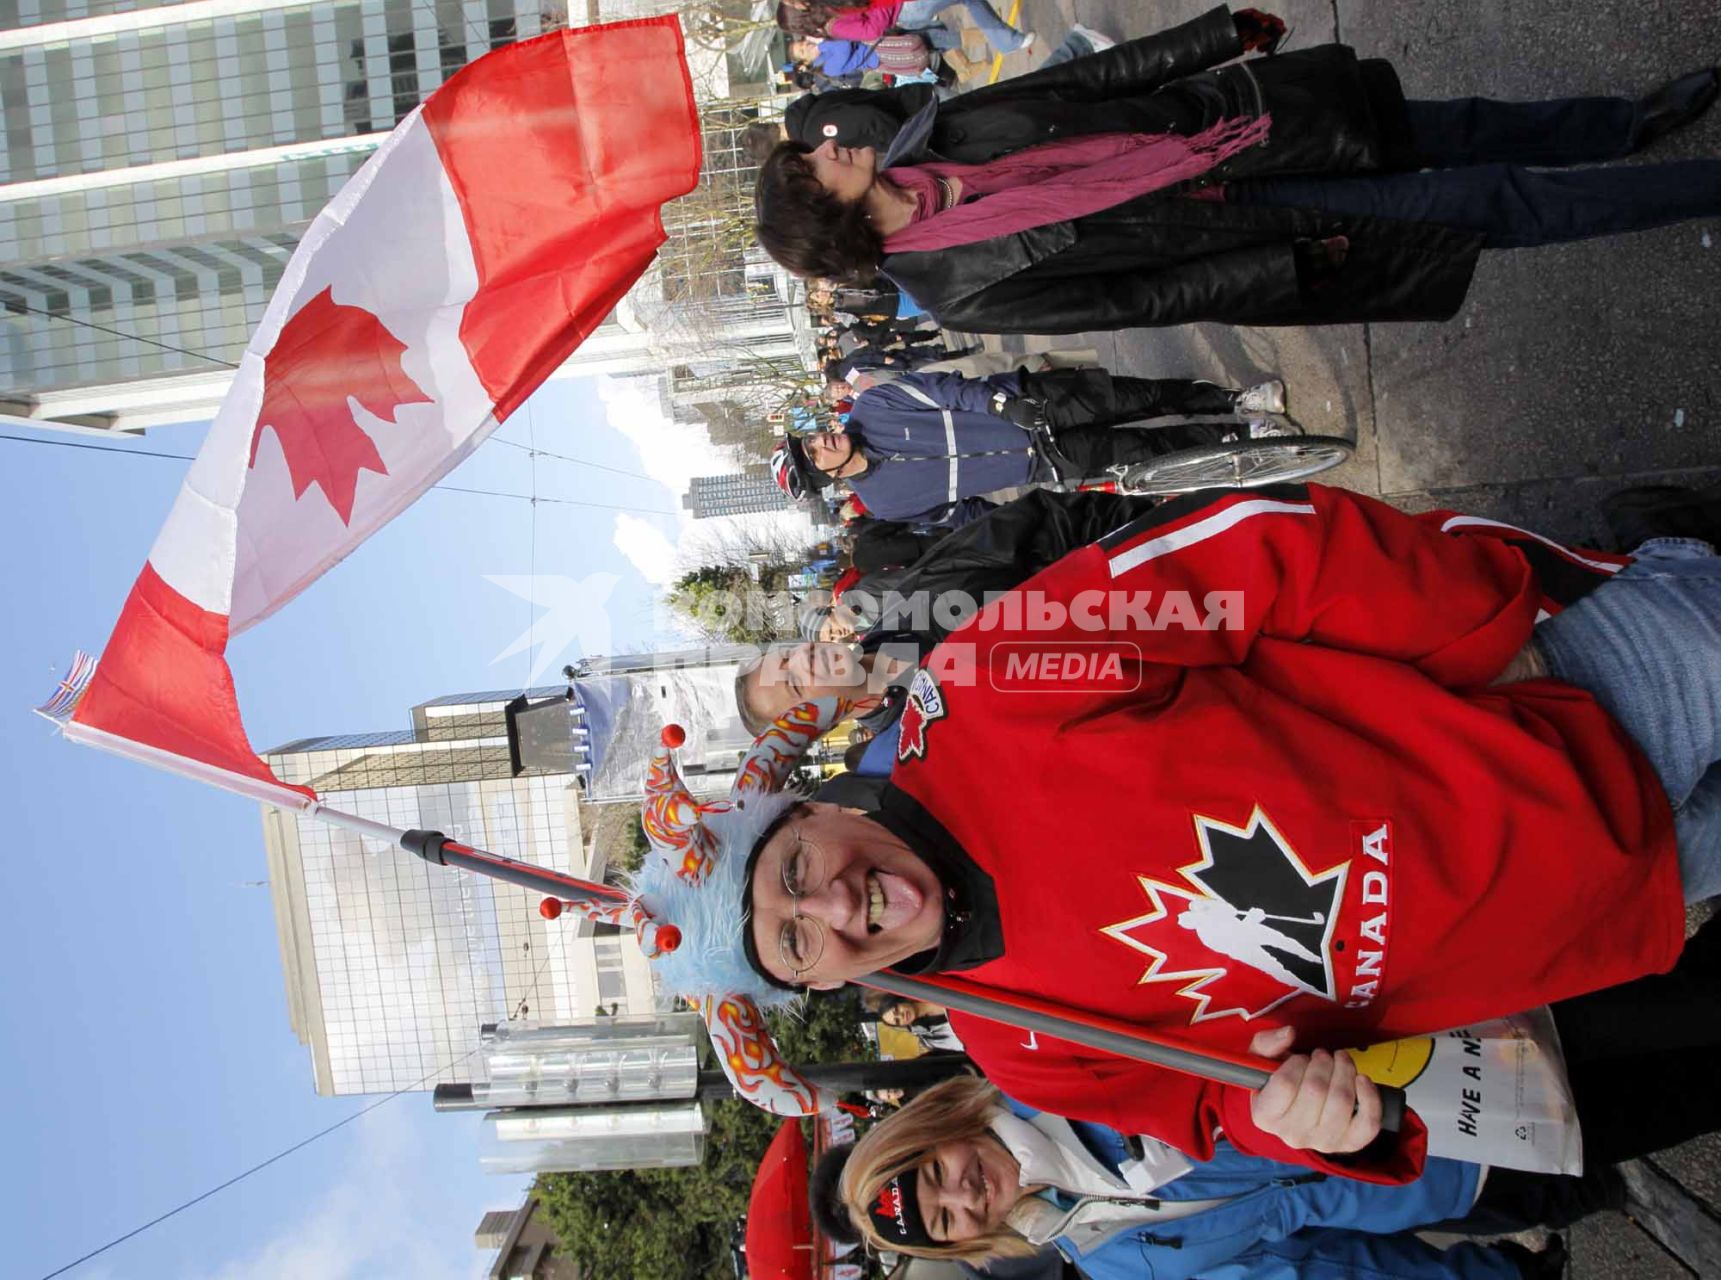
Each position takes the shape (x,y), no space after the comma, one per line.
(1248,927)
(925,704)
(308,409)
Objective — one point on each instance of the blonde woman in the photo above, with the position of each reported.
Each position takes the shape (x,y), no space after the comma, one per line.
(962,1173)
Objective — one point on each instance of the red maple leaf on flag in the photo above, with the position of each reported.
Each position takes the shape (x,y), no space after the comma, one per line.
(328,354)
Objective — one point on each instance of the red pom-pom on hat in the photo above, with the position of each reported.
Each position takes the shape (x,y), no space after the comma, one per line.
(673,735)
(668,937)
(550,908)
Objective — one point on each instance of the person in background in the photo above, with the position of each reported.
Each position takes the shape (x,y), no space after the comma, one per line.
(1302,188)
(927,446)
(962,1173)
(928,1023)
(1041,101)
(922,16)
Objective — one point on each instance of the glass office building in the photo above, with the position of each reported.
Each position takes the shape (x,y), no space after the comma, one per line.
(393,965)
(752,490)
(159,163)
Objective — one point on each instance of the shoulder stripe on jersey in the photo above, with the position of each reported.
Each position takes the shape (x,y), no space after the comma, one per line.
(1215,524)
(1465,522)
(1171,510)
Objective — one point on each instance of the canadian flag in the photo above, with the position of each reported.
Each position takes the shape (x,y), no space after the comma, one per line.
(492,231)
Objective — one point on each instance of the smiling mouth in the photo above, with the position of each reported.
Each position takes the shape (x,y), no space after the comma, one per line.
(892,901)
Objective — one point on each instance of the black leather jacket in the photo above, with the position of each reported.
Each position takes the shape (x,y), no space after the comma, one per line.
(855,117)
(1162,259)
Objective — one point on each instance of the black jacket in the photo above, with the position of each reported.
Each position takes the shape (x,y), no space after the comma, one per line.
(1162,259)
(1345,115)
(859,117)
(889,544)
(1000,551)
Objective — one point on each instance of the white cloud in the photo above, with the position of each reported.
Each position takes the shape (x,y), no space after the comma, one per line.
(672,453)
(377,1219)
(648,548)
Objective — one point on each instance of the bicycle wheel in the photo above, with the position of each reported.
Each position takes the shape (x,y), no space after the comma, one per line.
(1245,464)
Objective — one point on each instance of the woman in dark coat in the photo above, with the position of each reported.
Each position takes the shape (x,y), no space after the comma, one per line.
(1291,197)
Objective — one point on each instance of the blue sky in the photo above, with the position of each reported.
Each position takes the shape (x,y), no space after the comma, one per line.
(143,1013)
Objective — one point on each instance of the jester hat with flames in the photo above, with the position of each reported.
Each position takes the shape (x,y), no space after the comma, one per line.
(685,906)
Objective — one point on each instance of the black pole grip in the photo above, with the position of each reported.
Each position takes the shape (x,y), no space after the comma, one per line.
(1391,1107)
(426,844)
(437,848)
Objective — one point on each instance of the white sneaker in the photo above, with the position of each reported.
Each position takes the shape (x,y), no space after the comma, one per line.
(1027,45)
(1096,41)
(1271,428)
(1264,397)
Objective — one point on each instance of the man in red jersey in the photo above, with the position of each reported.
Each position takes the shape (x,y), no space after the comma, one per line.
(1245,764)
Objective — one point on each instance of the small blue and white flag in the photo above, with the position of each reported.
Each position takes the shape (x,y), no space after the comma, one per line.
(59,708)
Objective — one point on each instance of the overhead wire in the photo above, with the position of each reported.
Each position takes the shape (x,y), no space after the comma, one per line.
(13,303)
(566,457)
(446,488)
(532,448)
(256,1168)
(519,1010)
(532,605)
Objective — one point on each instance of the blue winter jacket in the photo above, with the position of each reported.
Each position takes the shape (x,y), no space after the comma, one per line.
(879,758)
(1281,1221)
(919,466)
(844,57)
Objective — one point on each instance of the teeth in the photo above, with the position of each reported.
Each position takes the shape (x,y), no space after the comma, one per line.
(874,902)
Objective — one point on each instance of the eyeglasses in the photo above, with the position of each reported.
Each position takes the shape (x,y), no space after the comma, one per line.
(802,940)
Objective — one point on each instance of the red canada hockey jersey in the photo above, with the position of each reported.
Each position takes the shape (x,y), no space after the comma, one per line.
(1238,765)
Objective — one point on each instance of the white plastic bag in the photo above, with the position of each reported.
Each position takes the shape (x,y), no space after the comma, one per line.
(1493,1094)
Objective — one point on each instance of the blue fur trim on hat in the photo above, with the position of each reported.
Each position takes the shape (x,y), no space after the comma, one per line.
(710,960)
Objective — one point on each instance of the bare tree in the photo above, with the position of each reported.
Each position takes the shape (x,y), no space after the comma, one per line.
(747,541)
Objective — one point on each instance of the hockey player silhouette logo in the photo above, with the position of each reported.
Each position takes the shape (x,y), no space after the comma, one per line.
(1247,927)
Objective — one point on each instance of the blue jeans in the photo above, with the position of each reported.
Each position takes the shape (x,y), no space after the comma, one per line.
(940,37)
(1647,644)
(1474,149)
(1075,46)
(999,34)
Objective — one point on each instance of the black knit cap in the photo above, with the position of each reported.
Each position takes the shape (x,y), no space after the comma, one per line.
(895,1211)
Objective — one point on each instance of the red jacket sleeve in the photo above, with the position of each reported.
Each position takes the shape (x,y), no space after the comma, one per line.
(1198,580)
(1138,1098)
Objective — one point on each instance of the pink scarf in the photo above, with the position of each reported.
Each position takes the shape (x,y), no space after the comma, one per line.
(1059,181)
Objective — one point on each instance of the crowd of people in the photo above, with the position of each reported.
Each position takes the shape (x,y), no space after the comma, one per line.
(1352,774)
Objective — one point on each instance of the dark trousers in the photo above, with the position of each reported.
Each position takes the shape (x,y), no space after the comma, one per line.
(1084,406)
(1641,1059)
(1565,131)
(1479,146)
